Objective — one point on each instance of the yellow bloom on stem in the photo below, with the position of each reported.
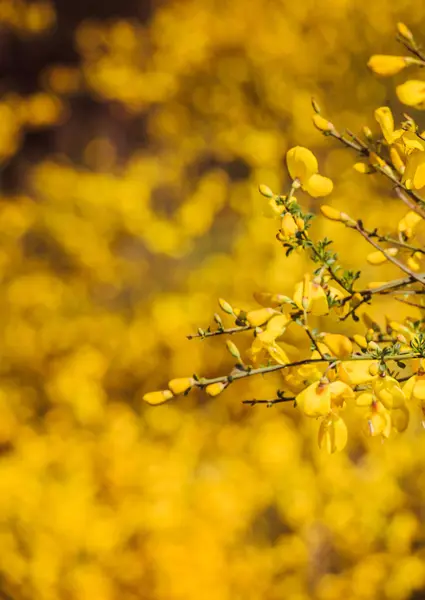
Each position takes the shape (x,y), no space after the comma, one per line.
(339,345)
(356,372)
(340,392)
(321,123)
(404,31)
(382,64)
(384,117)
(388,391)
(303,167)
(379,420)
(214,389)
(408,223)
(378,257)
(260,316)
(311,297)
(400,418)
(412,93)
(337,294)
(268,299)
(333,434)
(263,344)
(181,385)
(331,213)
(363,168)
(414,388)
(315,400)
(159,397)
(413,262)
(397,161)
(288,226)
(414,174)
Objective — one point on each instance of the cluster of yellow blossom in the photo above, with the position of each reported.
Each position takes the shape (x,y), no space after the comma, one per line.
(115,247)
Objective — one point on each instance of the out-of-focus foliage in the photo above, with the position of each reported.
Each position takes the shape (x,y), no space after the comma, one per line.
(115,246)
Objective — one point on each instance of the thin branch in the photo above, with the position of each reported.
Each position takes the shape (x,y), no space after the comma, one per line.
(359,227)
(249,372)
(229,331)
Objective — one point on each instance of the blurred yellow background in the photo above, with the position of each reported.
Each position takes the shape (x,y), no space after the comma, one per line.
(133,137)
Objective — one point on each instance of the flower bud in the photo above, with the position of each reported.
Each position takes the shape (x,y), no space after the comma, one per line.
(260,316)
(372,346)
(363,168)
(181,385)
(322,124)
(374,369)
(378,257)
(214,389)
(265,190)
(405,32)
(233,349)
(330,213)
(386,65)
(155,398)
(360,341)
(225,306)
(367,133)
(218,320)
(288,226)
(315,106)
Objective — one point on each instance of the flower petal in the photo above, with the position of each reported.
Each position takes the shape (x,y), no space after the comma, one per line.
(318,186)
(301,163)
(333,435)
(414,175)
(411,92)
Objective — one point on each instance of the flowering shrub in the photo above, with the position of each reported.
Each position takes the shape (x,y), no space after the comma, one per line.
(130,203)
(380,370)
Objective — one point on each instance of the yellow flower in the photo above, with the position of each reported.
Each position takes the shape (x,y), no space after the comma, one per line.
(337,294)
(385,118)
(363,168)
(214,389)
(412,93)
(386,65)
(265,341)
(397,161)
(155,398)
(311,297)
(360,341)
(340,392)
(268,299)
(260,316)
(414,174)
(288,226)
(413,262)
(408,223)
(414,389)
(333,434)
(388,391)
(303,167)
(331,213)
(355,372)
(265,191)
(233,349)
(379,420)
(378,257)
(181,385)
(277,325)
(263,344)
(339,345)
(400,418)
(322,124)
(404,31)
(315,400)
